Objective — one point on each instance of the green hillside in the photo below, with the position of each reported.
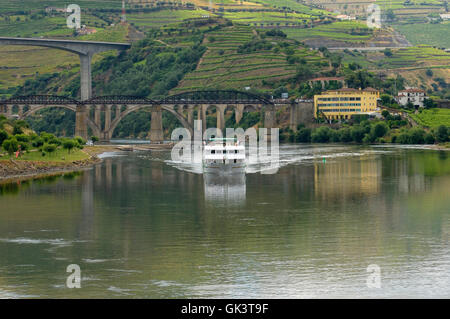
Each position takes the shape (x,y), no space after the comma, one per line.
(20,5)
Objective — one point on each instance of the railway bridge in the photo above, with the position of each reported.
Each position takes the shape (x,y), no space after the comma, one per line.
(102,114)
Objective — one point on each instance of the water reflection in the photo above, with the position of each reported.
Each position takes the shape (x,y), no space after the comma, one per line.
(225,190)
(141,228)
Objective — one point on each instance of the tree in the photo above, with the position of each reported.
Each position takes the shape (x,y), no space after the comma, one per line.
(357,133)
(80,140)
(417,136)
(49,148)
(385,113)
(303,135)
(3,136)
(94,139)
(390,16)
(345,135)
(386,99)
(69,145)
(428,103)
(429,138)
(379,130)
(442,134)
(321,135)
(10,145)
(17,130)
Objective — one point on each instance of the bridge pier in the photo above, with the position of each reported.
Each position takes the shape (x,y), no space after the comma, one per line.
(97,115)
(156,129)
(220,115)
(81,122)
(107,117)
(239,112)
(293,117)
(203,118)
(190,115)
(20,112)
(8,110)
(86,76)
(270,121)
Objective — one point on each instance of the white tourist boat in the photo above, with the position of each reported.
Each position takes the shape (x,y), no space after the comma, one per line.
(224,156)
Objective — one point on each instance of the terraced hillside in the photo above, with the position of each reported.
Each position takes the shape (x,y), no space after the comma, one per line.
(420,66)
(147,20)
(229,64)
(271,18)
(342,31)
(426,33)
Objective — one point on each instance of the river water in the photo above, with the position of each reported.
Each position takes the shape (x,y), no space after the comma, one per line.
(140,226)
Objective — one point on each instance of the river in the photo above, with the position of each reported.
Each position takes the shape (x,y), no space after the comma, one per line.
(140,226)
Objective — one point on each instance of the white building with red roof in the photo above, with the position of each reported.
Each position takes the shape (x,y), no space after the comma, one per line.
(414,95)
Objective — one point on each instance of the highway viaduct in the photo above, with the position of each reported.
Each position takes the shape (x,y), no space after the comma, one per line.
(84,49)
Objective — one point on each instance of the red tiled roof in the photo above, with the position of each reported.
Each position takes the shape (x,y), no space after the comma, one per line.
(412,91)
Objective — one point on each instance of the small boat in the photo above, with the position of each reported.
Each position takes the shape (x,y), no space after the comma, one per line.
(224,156)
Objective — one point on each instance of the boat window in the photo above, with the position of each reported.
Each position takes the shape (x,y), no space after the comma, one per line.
(235,151)
(213,151)
(235,161)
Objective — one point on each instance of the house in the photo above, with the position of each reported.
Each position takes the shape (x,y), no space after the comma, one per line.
(55,9)
(411,95)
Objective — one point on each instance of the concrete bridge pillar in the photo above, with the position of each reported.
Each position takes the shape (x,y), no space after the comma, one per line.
(270,120)
(156,129)
(107,117)
(203,118)
(220,114)
(239,112)
(269,117)
(81,122)
(190,115)
(20,113)
(97,116)
(293,118)
(9,110)
(86,76)
(118,111)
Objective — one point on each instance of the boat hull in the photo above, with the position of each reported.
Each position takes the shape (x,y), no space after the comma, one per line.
(224,169)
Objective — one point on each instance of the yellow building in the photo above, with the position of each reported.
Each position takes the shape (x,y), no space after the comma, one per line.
(343,103)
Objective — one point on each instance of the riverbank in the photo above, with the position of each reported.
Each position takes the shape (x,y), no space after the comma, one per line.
(22,169)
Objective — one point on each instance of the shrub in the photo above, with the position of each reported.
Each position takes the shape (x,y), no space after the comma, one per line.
(17,130)
(429,138)
(357,133)
(3,136)
(417,136)
(442,134)
(403,138)
(69,145)
(345,135)
(49,148)
(10,145)
(321,135)
(303,135)
(379,130)
(80,140)
(22,138)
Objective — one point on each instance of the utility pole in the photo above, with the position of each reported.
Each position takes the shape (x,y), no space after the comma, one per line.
(124,18)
